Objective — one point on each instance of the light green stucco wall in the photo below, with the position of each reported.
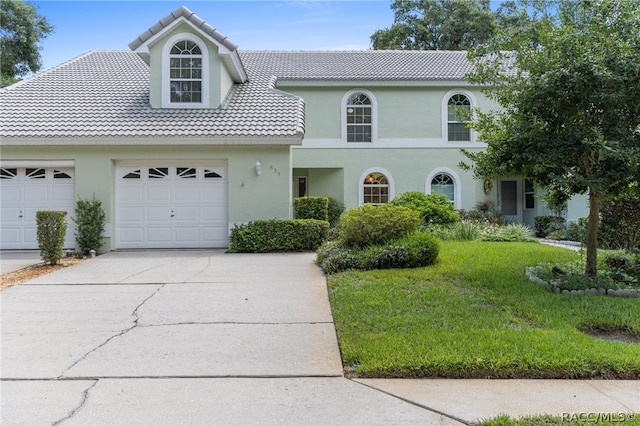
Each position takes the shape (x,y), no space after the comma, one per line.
(220,81)
(403,112)
(409,169)
(250,197)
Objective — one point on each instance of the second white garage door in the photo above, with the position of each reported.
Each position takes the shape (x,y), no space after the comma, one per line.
(171,205)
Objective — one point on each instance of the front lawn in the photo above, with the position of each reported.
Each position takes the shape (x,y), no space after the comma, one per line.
(474,314)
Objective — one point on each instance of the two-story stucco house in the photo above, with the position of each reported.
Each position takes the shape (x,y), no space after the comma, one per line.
(184,135)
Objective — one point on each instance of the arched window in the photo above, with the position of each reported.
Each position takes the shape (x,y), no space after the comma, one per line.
(444,184)
(359,117)
(375,188)
(445,181)
(457,129)
(185,72)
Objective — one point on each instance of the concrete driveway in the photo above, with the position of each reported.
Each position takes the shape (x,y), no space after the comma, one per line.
(182,337)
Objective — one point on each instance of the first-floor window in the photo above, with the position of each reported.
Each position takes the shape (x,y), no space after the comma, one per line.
(376,188)
(443,184)
(529,195)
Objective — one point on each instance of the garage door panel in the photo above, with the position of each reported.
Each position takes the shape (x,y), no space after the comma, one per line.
(10,236)
(10,216)
(62,192)
(187,213)
(131,235)
(159,234)
(37,193)
(187,193)
(131,214)
(186,234)
(159,193)
(130,193)
(175,206)
(158,213)
(214,213)
(10,193)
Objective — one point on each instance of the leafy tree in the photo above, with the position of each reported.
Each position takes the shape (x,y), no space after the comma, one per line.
(445,24)
(21,29)
(570,117)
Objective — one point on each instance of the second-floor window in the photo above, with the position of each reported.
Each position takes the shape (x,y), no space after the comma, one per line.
(457,128)
(359,118)
(185,72)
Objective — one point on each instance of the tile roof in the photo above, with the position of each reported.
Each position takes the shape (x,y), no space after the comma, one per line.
(377,65)
(106,94)
(189,16)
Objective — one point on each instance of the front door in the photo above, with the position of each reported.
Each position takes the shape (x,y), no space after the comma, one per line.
(509,199)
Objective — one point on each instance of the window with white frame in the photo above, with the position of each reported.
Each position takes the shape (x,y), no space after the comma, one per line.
(443,184)
(457,106)
(185,72)
(359,118)
(375,188)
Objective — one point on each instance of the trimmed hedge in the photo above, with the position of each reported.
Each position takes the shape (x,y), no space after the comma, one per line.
(376,224)
(90,221)
(311,208)
(51,229)
(263,236)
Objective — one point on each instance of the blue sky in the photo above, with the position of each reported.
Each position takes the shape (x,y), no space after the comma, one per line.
(82,26)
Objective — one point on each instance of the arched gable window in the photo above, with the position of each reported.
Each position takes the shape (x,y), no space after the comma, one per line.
(185,72)
(376,187)
(359,116)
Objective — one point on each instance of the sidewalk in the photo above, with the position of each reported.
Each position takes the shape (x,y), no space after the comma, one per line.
(204,337)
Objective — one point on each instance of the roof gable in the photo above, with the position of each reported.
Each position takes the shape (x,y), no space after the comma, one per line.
(227,50)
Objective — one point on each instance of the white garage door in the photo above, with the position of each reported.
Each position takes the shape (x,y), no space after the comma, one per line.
(175,205)
(24,191)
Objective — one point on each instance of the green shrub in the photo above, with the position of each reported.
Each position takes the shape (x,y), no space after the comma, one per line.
(264,236)
(507,233)
(433,208)
(415,250)
(620,219)
(335,208)
(90,220)
(333,258)
(376,224)
(577,231)
(311,208)
(544,225)
(412,251)
(51,228)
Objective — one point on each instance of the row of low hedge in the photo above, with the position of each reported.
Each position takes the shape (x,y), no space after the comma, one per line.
(263,236)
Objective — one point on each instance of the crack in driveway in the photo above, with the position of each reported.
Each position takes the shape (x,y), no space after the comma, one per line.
(118,334)
(85,396)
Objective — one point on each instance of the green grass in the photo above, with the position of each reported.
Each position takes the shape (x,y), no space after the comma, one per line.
(474,314)
(599,419)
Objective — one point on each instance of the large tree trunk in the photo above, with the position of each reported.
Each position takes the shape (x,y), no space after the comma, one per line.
(595,199)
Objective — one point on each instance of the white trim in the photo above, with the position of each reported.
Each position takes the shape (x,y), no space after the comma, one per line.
(445,113)
(457,190)
(385,172)
(144,47)
(375,83)
(37,163)
(166,93)
(374,116)
(390,143)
